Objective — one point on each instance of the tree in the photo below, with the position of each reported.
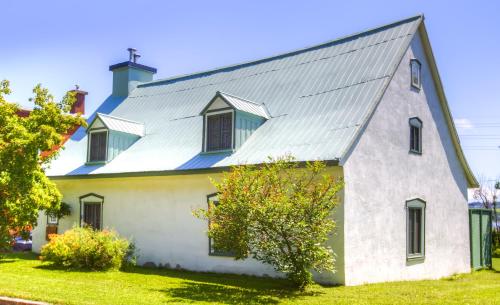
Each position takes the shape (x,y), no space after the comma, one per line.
(278,213)
(24,188)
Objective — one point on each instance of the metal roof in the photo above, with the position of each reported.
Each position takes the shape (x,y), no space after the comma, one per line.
(122,125)
(319,98)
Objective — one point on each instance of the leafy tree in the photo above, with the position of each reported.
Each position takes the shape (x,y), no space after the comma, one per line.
(278,213)
(24,188)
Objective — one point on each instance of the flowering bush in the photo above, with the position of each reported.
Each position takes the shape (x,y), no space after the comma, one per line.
(85,248)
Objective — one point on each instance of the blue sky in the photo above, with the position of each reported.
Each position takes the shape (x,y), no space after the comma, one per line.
(62,43)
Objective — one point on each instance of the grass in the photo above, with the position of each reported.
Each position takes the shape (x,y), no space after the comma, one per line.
(22,275)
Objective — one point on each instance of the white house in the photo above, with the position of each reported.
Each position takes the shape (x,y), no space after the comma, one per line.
(372,105)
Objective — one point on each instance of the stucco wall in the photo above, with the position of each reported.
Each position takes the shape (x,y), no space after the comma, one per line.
(381,175)
(155,212)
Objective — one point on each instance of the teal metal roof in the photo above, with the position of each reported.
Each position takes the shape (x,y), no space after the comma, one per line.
(121,125)
(318,99)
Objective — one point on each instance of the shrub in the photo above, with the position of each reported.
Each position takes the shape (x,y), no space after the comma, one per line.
(85,248)
(496,253)
(278,213)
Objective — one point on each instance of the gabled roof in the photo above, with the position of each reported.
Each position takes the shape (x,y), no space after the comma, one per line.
(240,104)
(120,124)
(320,98)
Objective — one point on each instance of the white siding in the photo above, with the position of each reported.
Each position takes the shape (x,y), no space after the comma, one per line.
(156,213)
(381,175)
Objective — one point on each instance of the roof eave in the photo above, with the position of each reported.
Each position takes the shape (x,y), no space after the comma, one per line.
(471,179)
(174,172)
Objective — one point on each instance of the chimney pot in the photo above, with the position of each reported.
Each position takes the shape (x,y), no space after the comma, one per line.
(131,54)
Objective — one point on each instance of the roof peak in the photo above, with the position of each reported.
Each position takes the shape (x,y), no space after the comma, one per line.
(286,54)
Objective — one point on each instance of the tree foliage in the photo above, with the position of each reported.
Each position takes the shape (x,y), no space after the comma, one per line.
(24,188)
(278,213)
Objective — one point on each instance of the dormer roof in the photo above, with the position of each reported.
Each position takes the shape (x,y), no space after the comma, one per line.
(238,103)
(118,124)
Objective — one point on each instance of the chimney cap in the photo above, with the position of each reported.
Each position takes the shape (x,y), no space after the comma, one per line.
(132,65)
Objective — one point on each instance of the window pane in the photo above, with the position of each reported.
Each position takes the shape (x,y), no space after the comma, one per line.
(98,146)
(219,131)
(415,73)
(415,137)
(92,215)
(415,231)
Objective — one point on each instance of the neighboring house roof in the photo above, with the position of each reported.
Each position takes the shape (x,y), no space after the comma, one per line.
(120,124)
(320,99)
(240,104)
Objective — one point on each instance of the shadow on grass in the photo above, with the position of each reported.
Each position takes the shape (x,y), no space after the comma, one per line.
(224,288)
(10,257)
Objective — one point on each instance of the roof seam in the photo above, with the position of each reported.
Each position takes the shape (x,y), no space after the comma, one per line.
(344,87)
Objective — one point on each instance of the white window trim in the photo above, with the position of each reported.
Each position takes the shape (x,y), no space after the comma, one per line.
(89,138)
(205,137)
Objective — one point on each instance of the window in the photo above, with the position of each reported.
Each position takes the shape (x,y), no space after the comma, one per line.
(52,219)
(97,146)
(415,229)
(214,199)
(416,77)
(219,131)
(91,206)
(415,135)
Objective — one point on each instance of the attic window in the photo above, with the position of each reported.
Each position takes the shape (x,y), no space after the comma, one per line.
(219,131)
(416,77)
(415,135)
(97,146)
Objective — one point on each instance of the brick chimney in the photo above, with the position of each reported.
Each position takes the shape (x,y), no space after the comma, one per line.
(79,105)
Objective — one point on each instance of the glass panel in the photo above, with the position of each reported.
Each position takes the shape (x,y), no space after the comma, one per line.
(415,227)
(415,138)
(92,215)
(415,73)
(219,131)
(98,146)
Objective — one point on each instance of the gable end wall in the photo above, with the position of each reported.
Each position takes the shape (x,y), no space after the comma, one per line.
(381,175)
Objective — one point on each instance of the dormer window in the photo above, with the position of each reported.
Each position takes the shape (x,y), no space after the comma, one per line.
(108,136)
(98,146)
(219,128)
(416,77)
(229,121)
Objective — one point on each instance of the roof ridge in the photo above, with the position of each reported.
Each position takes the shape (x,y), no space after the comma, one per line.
(286,54)
(118,118)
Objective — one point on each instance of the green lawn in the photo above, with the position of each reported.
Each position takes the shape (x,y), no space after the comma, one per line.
(22,275)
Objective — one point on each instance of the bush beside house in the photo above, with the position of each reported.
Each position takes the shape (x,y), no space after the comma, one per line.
(85,248)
